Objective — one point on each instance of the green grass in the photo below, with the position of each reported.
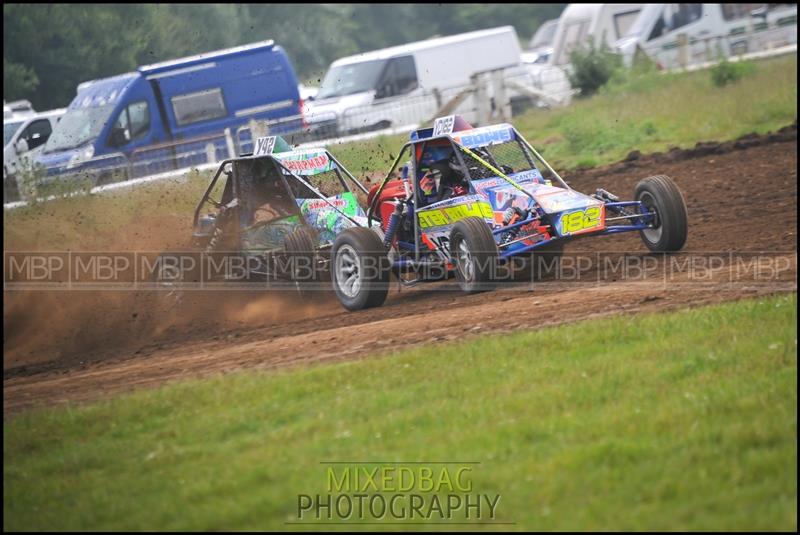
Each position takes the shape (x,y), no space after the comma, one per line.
(678,421)
(653,112)
(650,112)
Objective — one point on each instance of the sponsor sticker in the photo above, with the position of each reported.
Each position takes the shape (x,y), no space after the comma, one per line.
(450,214)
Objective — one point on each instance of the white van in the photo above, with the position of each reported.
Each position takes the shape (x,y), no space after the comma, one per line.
(580,23)
(24,136)
(404,85)
(679,35)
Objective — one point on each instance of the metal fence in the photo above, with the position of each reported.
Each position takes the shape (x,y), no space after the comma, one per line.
(686,52)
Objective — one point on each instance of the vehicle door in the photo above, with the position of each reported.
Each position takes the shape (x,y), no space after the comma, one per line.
(399,99)
(132,127)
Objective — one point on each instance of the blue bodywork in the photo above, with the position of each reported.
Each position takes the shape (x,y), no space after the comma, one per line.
(554,212)
(253,82)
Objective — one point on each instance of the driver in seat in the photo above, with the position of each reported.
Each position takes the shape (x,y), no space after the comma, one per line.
(442,176)
(270,221)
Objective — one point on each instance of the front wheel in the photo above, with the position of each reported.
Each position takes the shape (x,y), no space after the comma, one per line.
(359,269)
(669,224)
(474,253)
(172,274)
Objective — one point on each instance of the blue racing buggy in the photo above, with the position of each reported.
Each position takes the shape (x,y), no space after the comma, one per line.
(468,197)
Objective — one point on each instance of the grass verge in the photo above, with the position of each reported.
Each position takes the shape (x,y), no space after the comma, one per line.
(675,421)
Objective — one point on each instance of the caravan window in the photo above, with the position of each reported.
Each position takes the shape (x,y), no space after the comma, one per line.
(399,78)
(738,11)
(574,34)
(200,106)
(675,16)
(624,21)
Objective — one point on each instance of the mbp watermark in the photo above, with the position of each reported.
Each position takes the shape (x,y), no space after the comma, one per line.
(398,492)
(279,270)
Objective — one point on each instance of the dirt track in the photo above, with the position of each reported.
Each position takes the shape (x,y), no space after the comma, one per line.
(741,196)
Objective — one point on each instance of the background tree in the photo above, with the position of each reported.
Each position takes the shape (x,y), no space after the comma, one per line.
(48,49)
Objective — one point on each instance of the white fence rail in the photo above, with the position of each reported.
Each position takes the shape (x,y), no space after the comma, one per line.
(489,98)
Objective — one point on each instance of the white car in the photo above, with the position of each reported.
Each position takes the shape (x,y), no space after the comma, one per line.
(24,135)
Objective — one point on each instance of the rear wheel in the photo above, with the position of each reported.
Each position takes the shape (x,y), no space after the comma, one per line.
(301,247)
(669,223)
(359,269)
(474,253)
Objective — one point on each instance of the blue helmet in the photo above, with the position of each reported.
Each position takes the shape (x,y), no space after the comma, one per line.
(435,154)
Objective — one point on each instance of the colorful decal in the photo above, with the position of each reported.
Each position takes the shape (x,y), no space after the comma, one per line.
(444,214)
(523,177)
(552,199)
(269,236)
(487,135)
(306,163)
(326,219)
(578,221)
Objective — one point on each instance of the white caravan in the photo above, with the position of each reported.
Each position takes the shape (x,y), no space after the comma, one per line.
(408,84)
(679,35)
(580,23)
(540,47)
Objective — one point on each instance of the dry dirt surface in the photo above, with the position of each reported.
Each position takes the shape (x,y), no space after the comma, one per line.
(741,198)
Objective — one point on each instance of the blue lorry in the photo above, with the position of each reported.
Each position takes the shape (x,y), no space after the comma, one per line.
(172,115)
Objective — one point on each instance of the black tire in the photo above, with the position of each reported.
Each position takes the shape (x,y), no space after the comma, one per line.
(671,225)
(359,252)
(474,254)
(301,246)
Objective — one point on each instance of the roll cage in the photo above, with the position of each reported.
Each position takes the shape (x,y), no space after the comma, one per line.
(460,151)
(232,191)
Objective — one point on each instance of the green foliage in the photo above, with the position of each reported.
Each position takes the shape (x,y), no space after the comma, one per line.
(678,421)
(18,79)
(726,72)
(49,49)
(592,67)
(651,111)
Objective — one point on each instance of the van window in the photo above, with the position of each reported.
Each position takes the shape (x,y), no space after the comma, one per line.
(738,11)
(36,133)
(351,78)
(200,106)
(399,78)
(78,126)
(9,129)
(133,122)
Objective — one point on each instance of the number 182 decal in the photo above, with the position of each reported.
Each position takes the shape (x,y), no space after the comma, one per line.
(579,221)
